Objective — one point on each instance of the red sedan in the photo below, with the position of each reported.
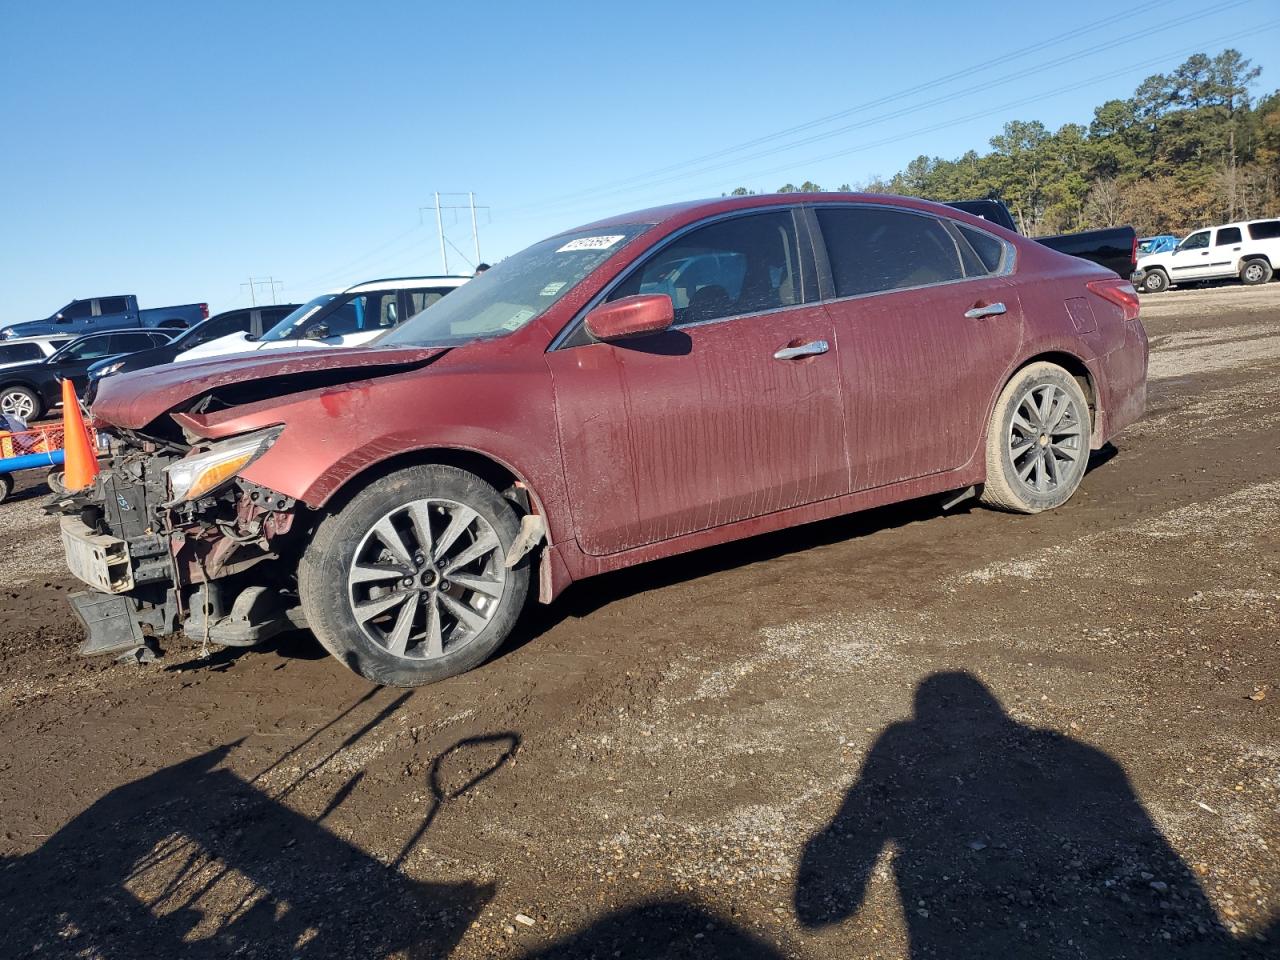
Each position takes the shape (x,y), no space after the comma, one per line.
(632,389)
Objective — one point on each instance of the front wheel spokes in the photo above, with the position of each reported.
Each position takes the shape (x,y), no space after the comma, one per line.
(426,578)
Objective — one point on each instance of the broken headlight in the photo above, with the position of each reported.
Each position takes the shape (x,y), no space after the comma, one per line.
(195,476)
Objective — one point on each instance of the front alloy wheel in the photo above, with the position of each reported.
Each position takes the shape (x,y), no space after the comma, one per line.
(426,579)
(407,583)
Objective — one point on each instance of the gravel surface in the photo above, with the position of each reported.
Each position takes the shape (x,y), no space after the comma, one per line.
(899,734)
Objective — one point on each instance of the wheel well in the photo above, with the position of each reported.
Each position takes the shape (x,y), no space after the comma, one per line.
(1074,366)
(1257,256)
(490,471)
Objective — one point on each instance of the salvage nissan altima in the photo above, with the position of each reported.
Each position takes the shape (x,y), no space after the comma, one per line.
(636,388)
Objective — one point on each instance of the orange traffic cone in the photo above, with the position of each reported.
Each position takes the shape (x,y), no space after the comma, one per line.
(80,465)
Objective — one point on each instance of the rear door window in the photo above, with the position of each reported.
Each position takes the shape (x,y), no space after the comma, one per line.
(1227,235)
(113,306)
(129,342)
(873,249)
(1265,230)
(748,264)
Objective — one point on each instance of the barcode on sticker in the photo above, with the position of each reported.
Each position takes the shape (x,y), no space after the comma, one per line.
(590,243)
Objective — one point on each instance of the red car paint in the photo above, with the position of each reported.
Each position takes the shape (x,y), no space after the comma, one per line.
(634,454)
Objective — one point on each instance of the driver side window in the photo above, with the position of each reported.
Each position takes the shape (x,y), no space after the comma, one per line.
(1197,241)
(744,265)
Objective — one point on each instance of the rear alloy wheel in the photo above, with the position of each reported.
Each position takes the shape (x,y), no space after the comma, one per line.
(1038,441)
(1157,281)
(1255,272)
(408,584)
(21,403)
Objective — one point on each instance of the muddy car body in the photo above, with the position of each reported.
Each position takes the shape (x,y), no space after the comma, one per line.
(550,421)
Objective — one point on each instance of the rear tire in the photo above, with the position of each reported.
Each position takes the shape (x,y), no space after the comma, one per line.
(21,402)
(1255,272)
(1157,281)
(387,587)
(6,486)
(1038,441)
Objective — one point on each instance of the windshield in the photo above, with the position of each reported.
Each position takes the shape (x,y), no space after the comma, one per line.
(516,290)
(291,327)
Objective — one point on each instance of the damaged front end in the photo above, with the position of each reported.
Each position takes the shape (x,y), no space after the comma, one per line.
(171,537)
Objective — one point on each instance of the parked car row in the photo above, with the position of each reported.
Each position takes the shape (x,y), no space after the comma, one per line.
(1249,250)
(632,389)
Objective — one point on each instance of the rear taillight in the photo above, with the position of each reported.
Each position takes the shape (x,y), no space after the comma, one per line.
(1133,252)
(1117,291)
(204,311)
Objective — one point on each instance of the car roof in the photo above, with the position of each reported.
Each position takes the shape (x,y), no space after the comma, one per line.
(696,209)
(397,283)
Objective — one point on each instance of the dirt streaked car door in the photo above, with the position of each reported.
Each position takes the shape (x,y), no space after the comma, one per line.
(734,413)
(926,328)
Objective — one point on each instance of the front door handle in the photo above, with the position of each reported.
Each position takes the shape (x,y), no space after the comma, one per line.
(989,310)
(810,349)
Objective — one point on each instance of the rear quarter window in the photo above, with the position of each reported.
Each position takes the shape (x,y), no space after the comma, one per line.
(19,353)
(1265,230)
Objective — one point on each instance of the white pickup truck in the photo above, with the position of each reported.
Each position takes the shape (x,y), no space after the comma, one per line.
(1248,250)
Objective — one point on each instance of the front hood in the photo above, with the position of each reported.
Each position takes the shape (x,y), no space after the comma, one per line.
(133,400)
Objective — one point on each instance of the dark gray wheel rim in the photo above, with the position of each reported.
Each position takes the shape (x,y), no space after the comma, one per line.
(14,403)
(426,579)
(1253,272)
(1046,441)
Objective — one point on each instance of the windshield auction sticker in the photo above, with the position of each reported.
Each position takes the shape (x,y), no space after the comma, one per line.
(590,243)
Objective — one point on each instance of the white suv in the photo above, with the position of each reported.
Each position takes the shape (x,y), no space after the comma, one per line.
(1249,250)
(342,318)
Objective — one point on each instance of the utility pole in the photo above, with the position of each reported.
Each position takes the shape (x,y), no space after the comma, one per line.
(445,242)
(269,282)
(475,232)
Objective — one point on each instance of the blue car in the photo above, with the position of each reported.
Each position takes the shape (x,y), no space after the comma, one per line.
(1160,244)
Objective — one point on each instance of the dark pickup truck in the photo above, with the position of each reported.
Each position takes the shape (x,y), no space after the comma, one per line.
(1115,248)
(108,313)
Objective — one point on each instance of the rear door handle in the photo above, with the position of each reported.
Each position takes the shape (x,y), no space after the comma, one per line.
(990,310)
(810,349)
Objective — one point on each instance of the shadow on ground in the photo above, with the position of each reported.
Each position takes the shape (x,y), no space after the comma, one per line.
(1008,841)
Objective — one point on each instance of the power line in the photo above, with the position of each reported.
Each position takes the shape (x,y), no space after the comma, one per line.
(929,86)
(1127,69)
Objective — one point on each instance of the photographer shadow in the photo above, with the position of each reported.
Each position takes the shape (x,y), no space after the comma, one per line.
(1006,840)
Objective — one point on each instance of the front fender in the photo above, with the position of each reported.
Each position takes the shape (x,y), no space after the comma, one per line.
(331,436)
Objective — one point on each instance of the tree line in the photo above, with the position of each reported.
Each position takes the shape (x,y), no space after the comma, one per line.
(1189,149)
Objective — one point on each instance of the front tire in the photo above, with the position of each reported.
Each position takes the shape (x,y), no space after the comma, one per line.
(1157,281)
(1038,441)
(407,584)
(1255,272)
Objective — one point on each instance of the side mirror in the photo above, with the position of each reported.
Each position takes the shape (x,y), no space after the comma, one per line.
(631,317)
(59,318)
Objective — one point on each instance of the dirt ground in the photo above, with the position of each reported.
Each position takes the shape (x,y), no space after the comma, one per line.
(899,734)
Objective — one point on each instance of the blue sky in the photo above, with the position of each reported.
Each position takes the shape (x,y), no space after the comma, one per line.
(173,150)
